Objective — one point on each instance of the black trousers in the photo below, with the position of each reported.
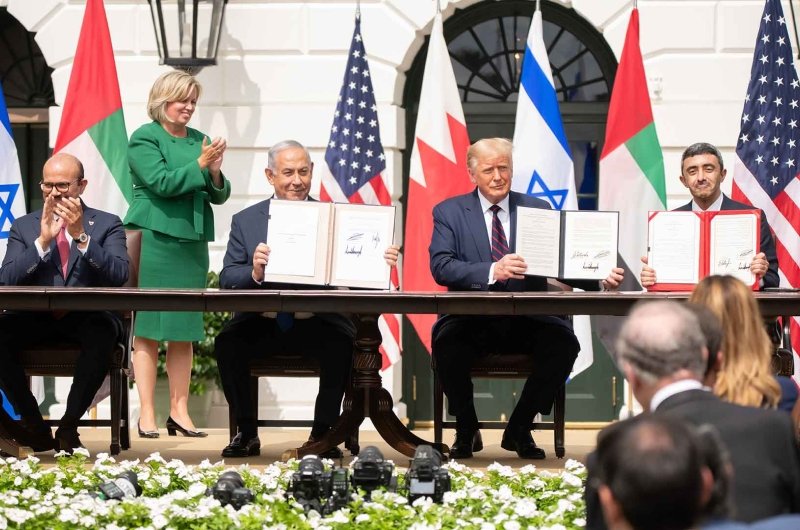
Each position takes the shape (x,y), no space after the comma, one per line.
(459,340)
(97,332)
(251,336)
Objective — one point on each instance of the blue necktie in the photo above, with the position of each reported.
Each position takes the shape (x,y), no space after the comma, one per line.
(284,320)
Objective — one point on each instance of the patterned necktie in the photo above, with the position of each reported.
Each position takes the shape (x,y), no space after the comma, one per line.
(63,249)
(499,241)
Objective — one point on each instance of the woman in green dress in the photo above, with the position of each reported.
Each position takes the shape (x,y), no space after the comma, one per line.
(176,177)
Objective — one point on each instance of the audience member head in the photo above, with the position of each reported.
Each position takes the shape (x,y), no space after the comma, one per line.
(289,170)
(702,173)
(62,176)
(169,95)
(489,162)
(660,342)
(745,376)
(712,331)
(651,474)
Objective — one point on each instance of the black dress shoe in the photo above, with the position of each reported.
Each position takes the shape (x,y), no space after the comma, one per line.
(241,447)
(146,434)
(521,441)
(30,433)
(67,440)
(467,441)
(173,427)
(332,453)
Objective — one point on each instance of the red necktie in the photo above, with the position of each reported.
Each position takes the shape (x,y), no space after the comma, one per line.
(499,241)
(63,249)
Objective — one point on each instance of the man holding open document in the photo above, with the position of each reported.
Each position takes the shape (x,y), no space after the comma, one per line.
(261,236)
(470,251)
(702,172)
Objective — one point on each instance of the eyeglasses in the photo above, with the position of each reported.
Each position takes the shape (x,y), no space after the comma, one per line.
(60,186)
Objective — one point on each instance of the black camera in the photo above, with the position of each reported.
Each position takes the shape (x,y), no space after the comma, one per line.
(425,476)
(229,489)
(126,484)
(319,490)
(371,471)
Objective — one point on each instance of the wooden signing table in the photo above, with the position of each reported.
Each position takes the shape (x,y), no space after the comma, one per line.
(369,398)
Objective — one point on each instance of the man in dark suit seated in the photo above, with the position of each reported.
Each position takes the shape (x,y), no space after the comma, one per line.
(702,173)
(326,336)
(662,352)
(470,251)
(67,243)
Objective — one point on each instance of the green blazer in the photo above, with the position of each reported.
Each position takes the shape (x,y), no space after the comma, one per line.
(171,194)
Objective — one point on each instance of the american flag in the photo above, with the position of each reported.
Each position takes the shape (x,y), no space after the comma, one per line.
(766,170)
(356,161)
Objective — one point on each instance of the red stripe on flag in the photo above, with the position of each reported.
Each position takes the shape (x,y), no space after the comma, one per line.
(93,90)
(381,192)
(355,199)
(788,208)
(323,194)
(630,92)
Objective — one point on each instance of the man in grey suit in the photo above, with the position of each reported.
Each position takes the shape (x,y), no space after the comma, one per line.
(326,336)
(662,353)
(66,244)
(473,249)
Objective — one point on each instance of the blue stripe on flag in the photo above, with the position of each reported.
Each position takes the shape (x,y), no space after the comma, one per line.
(4,112)
(543,96)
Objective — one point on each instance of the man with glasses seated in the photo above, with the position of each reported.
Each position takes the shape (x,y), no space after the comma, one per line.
(65,244)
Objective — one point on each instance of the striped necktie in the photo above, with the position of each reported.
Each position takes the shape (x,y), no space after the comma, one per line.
(499,241)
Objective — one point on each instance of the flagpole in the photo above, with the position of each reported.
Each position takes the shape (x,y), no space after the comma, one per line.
(358,8)
(538,5)
(635,4)
(438,7)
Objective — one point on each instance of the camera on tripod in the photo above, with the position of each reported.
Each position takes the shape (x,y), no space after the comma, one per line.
(319,490)
(425,476)
(229,489)
(371,471)
(126,484)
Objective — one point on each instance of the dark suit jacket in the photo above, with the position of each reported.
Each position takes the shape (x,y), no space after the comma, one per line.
(105,263)
(767,243)
(763,452)
(248,229)
(765,457)
(460,251)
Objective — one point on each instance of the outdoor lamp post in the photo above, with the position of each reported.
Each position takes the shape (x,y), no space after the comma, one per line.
(187,32)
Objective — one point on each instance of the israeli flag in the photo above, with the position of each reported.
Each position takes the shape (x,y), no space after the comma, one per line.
(542,159)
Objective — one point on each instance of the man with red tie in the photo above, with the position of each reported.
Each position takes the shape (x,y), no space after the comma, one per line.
(66,243)
(472,249)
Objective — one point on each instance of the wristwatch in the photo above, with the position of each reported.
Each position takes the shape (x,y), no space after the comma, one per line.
(82,238)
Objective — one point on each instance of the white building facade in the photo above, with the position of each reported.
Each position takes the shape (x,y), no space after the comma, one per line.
(281,63)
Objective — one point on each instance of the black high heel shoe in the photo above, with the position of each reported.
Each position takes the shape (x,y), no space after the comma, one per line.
(173,427)
(146,434)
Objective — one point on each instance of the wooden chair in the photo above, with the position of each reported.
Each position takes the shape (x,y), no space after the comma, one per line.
(59,359)
(516,366)
(285,365)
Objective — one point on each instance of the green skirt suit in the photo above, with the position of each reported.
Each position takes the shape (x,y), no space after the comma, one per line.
(171,205)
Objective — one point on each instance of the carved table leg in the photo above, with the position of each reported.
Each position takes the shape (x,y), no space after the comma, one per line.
(369,399)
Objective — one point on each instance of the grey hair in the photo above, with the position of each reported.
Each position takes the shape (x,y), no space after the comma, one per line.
(660,338)
(283,146)
(702,148)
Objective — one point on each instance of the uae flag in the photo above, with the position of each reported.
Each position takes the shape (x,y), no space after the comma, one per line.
(92,126)
(438,168)
(631,165)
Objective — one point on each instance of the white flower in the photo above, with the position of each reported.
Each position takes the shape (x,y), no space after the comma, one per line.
(503,471)
(571,480)
(159,521)
(338,517)
(362,517)
(511,525)
(487,526)
(525,508)
(574,466)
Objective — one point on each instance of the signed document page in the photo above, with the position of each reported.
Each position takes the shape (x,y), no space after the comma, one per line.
(733,242)
(590,244)
(673,240)
(538,238)
(297,235)
(362,233)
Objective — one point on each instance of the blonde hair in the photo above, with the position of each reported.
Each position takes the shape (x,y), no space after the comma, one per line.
(171,86)
(746,375)
(488,146)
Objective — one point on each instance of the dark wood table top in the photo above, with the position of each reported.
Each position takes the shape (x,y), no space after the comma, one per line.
(492,303)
